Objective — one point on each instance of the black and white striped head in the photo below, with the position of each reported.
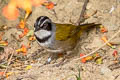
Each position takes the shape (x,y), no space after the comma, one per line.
(43,23)
(44,30)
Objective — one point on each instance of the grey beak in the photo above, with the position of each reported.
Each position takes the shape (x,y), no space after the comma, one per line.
(35,29)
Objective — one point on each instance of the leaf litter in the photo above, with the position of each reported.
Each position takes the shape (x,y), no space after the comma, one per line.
(17,57)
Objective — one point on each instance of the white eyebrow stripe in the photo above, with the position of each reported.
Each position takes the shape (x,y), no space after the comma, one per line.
(45,21)
(40,20)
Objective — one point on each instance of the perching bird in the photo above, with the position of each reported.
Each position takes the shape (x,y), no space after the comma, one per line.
(58,38)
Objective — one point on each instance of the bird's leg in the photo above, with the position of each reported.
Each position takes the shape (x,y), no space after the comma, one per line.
(53,55)
(64,58)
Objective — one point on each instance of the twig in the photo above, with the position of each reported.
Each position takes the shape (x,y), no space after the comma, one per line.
(81,18)
(99,47)
(8,63)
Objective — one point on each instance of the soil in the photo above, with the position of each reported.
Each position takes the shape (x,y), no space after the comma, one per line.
(67,11)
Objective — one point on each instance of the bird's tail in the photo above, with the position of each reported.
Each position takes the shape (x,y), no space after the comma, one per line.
(83,27)
(88,26)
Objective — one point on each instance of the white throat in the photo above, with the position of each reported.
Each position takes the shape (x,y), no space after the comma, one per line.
(42,33)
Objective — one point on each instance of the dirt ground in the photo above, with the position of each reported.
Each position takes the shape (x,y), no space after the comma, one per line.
(67,10)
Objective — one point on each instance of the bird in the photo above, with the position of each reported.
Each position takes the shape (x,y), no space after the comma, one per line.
(58,37)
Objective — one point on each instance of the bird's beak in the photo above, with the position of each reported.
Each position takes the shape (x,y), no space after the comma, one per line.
(35,30)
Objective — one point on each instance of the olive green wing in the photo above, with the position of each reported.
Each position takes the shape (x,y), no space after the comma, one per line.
(64,31)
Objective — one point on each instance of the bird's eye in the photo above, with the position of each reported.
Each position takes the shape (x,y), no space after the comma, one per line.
(45,25)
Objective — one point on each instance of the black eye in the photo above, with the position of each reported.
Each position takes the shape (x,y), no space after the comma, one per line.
(47,26)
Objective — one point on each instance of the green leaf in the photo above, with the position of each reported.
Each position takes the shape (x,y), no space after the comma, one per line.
(78,76)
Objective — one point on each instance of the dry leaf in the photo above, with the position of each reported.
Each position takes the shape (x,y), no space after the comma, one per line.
(26,30)
(103,29)
(8,74)
(83,60)
(99,60)
(105,40)
(23,49)
(21,24)
(28,67)
(115,53)
(3,43)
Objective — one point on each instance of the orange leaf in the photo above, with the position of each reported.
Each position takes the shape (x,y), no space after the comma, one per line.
(3,43)
(23,49)
(50,5)
(8,74)
(21,24)
(28,11)
(26,30)
(1,73)
(105,40)
(81,54)
(10,11)
(88,58)
(103,29)
(83,60)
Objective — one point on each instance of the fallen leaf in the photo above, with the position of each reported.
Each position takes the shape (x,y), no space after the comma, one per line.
(28,12)
(28,67)
(50,5)
(10,11)
(105,40)
(8,74)
(1,73)
(103,29)
(23,49)
(21,24)
(99,60)
(3,43)
(88,58)
(83,60)
(26,30)
(115,53)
